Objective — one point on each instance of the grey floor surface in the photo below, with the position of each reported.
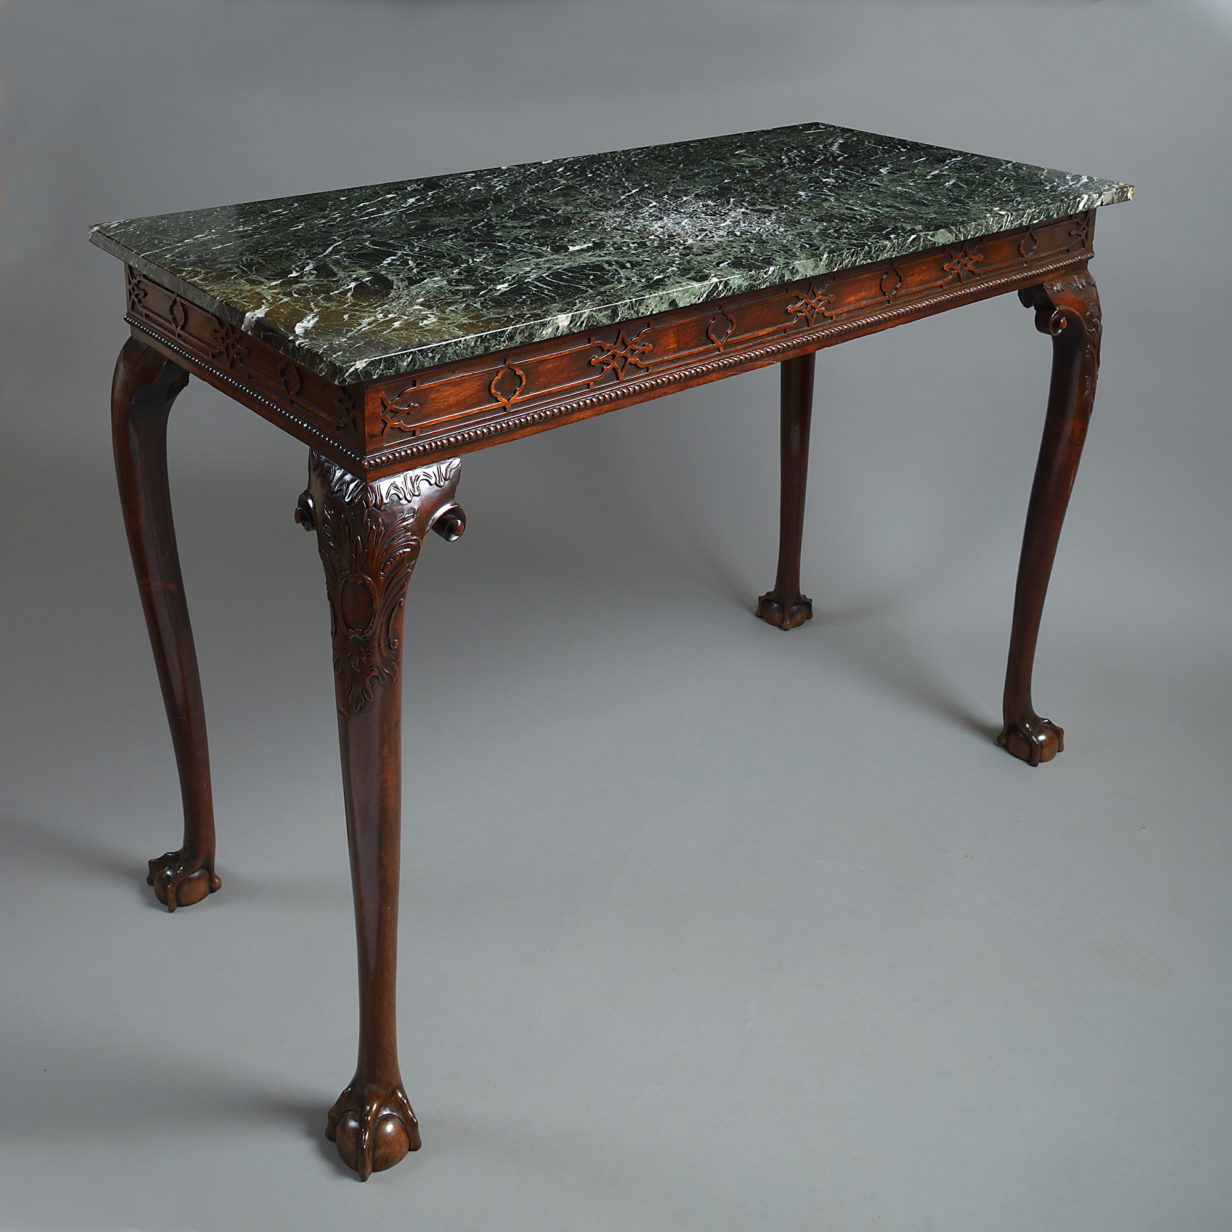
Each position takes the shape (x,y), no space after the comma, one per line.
(703,926)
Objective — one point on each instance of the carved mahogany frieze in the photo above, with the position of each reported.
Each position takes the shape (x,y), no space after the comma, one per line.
(319,412)
(382,427)
(462,407)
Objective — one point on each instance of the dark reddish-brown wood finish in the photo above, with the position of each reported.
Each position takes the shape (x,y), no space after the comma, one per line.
(785,606)
(144,387)
(384,470)
(1067,309)
(369,536)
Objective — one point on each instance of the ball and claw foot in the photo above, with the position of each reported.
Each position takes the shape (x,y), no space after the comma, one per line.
(373,1127)
(772,609)
(179,880)
(1033,740)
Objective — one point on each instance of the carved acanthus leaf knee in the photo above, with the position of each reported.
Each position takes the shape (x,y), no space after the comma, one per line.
(1070,302)
(369,535)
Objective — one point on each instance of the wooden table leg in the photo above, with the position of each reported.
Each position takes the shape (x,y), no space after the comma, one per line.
(369,536)
(1067,308)
(144,387)
(785,606)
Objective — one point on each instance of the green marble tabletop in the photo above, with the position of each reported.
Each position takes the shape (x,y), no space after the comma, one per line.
(366,283)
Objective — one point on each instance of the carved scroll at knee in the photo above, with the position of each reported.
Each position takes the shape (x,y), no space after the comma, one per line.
(450,523)
(369,535)
(1067,309)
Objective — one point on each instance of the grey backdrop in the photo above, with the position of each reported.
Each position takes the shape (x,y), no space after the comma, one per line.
(703,926)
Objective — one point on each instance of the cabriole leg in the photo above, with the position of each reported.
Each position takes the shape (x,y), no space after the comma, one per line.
(785,606)
(1067,308)
(369,536)
(144,387)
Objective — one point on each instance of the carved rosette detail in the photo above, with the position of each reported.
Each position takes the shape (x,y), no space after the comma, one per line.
(813,303)
(369,536)
(619,356)
(229,347)
(960,263)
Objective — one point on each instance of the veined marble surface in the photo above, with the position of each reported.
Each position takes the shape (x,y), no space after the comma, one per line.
(375,282)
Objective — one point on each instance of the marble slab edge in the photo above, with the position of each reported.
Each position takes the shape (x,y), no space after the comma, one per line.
(594,316)
(379,427)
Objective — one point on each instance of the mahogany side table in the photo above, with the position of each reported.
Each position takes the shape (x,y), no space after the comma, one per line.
(395,327)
